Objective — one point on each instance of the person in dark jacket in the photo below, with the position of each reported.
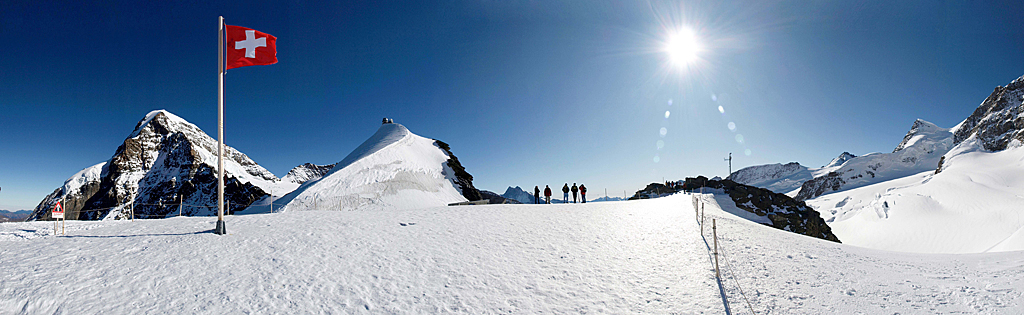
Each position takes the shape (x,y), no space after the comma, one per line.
(536,195)
(583,193)
(565,193)
(547,193)
(574,191)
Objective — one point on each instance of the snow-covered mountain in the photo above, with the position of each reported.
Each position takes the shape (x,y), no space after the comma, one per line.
(306,172)
(780,178)
(919,151)
(518,194)
(839,160)
(970,204)
(164,160)
(393,169)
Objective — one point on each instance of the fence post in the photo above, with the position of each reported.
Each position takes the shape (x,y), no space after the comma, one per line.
(714,233)
(179,204)
(271,200)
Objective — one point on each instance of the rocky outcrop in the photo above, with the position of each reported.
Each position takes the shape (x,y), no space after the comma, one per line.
(820,185)
(464,181)
(784,212)
(307,172)
(164,161)
(998,120)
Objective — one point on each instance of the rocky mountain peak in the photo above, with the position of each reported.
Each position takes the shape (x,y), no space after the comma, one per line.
(998,120)
(165,160)
(307,172)
(839,160)
(919,127)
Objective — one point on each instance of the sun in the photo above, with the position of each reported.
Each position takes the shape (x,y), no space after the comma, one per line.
(683,47)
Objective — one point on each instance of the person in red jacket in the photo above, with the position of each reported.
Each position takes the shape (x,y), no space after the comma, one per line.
(583,193)
(547,194)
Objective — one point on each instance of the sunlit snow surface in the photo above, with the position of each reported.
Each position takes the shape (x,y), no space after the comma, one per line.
(975,204)
(643,256)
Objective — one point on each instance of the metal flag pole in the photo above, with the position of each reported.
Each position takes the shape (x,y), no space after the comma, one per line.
(221,229)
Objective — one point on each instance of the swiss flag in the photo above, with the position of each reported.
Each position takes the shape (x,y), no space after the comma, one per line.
(249,47)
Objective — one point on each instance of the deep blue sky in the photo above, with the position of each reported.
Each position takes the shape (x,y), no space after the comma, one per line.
(526,92)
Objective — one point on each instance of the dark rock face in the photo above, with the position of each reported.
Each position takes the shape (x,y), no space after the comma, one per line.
(998,119)
(164,161)
(307,172)
(464,181)
(820,185)
(785,213)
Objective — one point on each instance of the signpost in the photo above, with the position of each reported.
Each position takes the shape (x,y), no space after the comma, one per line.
(58,215)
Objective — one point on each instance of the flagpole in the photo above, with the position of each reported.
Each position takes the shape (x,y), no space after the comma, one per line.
(221,229)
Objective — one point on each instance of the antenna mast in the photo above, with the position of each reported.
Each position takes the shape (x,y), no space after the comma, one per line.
(730,164)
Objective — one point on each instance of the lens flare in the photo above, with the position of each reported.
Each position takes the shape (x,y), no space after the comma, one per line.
(667,114)
(732,126)
(739,138)
(657,158)
(747,152)
(663,132)
(720,109)
(661,144)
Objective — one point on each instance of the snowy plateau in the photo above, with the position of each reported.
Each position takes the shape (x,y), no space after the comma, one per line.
(626,257)
(932,228)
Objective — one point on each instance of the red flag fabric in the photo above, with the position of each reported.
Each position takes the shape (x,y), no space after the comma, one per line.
(249,47)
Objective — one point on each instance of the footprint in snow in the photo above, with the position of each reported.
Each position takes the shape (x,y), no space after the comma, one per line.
(407,224)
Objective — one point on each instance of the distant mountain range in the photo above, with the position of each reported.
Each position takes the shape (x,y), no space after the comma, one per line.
(14,216)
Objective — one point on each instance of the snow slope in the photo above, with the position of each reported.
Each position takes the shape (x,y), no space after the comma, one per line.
(393,169)
(973,205)
(631,257)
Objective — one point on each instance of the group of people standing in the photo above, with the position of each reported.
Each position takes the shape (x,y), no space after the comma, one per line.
(581,189)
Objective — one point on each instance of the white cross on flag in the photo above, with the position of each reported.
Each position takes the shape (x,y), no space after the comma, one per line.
(249,47)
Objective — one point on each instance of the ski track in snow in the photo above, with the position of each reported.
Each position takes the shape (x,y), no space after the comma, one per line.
(628,257)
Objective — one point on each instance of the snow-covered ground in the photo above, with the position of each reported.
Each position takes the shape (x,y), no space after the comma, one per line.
(974,205)
(644,256)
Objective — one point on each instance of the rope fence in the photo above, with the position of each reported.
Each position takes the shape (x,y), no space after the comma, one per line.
(716,251)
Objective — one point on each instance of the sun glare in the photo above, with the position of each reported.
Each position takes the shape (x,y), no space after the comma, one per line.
(683,47)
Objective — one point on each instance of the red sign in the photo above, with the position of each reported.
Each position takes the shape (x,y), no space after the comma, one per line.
(58,211)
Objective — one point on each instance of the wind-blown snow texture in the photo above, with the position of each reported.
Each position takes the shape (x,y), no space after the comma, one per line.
(393,169)
(632,257)
(164,161)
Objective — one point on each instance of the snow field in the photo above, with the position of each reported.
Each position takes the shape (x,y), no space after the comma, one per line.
(786,273)
(615,257)
(644,256)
